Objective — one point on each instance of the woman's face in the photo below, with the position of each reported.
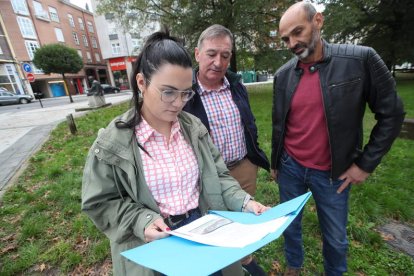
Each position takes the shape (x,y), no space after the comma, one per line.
(159,105)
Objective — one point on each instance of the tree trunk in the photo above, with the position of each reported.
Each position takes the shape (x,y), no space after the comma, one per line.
(66,88)
(233,60)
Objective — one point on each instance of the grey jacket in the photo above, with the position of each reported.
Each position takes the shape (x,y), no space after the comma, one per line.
(351,78)
(117,199)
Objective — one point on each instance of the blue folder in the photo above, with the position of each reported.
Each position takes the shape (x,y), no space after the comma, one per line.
(174,256)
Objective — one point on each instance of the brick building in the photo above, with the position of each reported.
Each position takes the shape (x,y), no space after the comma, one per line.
(30,24)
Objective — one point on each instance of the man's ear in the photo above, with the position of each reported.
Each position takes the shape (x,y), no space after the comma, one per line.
(140,81)
(196,53)
(318,20)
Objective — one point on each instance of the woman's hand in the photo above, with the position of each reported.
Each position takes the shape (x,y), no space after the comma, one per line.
(255,207)
(156,230)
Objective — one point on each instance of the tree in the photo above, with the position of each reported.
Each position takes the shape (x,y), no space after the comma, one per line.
(249,21)
(58,58)
(385,25)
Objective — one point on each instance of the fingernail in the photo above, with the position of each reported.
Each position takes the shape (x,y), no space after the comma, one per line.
(168,229)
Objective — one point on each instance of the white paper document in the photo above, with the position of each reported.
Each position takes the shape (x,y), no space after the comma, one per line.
(216,230)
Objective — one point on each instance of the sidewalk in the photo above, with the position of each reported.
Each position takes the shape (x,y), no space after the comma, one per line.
(21,135)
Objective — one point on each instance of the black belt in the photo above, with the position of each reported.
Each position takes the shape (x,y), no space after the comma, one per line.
(173,220)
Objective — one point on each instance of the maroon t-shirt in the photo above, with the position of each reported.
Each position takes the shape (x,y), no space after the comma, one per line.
(306,131)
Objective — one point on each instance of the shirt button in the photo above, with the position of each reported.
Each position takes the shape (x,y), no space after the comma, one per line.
(149,216)
(96,150)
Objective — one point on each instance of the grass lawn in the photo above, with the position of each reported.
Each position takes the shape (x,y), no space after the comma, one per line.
(42,230)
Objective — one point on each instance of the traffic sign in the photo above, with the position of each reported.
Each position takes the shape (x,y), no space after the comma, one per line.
(30,77)
(27,67)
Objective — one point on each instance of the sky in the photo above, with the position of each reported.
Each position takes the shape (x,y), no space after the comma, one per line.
(81,3)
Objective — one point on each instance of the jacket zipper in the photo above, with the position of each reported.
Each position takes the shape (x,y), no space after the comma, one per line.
(327,123)
(344,82)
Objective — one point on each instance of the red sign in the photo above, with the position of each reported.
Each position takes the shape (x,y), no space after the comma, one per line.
(117,64)
(30,77)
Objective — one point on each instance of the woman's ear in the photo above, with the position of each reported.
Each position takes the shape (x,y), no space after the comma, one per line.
(140,82)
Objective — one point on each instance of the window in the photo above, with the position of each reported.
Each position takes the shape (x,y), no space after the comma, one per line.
(85,40)
(39,11)
(80,53)
(113,37)
(135,43)
(90,26)
(109,16)
(31,47)
(26,27)
(88,57)
(19,6)
(35,69)
(59,35)
(71,22)
(93,42)
(75,38)
(116,48)
(53,14)
(81,25)
(97,57)
(113,34)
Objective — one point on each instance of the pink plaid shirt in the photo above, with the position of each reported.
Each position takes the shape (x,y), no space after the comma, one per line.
(170,170)
(226,127)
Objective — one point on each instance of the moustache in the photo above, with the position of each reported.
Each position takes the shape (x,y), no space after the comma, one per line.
(298,47)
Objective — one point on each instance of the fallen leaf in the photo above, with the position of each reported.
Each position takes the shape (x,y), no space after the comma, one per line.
(8,248)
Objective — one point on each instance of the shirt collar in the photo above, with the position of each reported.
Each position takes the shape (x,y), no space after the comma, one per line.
(144,131)
(224,86)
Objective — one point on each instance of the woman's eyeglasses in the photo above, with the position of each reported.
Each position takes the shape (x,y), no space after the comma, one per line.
(170,95)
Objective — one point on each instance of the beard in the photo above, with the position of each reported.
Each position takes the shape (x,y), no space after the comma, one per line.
(309,48)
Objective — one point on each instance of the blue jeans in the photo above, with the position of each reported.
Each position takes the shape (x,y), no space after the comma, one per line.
(332,209)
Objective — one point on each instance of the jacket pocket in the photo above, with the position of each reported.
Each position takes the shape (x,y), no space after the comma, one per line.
(341,84)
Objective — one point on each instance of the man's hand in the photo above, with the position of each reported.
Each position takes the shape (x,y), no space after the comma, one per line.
(353,175)
(273,174)
(156,230)
(255,207)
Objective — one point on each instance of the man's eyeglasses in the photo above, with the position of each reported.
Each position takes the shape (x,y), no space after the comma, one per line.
(170,95)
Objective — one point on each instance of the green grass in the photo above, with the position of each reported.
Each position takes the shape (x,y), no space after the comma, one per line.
(42,230)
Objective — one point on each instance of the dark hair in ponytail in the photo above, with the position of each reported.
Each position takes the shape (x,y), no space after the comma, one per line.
(160,48)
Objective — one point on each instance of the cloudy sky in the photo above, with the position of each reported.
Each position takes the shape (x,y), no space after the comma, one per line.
(81,3)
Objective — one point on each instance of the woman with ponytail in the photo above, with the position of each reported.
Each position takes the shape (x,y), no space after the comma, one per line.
(155,168)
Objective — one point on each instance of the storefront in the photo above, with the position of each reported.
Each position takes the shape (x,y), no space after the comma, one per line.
(121,68)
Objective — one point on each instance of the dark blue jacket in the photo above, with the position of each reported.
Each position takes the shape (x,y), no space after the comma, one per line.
(241,99)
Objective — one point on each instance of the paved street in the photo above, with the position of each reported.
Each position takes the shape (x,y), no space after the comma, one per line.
(24,128)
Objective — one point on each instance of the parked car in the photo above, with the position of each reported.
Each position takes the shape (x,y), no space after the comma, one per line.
(110,89)
(6,97)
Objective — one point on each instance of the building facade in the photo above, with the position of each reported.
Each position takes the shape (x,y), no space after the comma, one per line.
(30,24)
(119,46)
(10,74)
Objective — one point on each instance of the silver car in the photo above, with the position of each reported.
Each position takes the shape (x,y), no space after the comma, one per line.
(7,97)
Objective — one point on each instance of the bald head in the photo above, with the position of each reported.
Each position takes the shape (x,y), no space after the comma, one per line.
(300,8)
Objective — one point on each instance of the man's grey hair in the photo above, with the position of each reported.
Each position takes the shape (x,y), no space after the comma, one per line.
(214,31)
(309,10)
